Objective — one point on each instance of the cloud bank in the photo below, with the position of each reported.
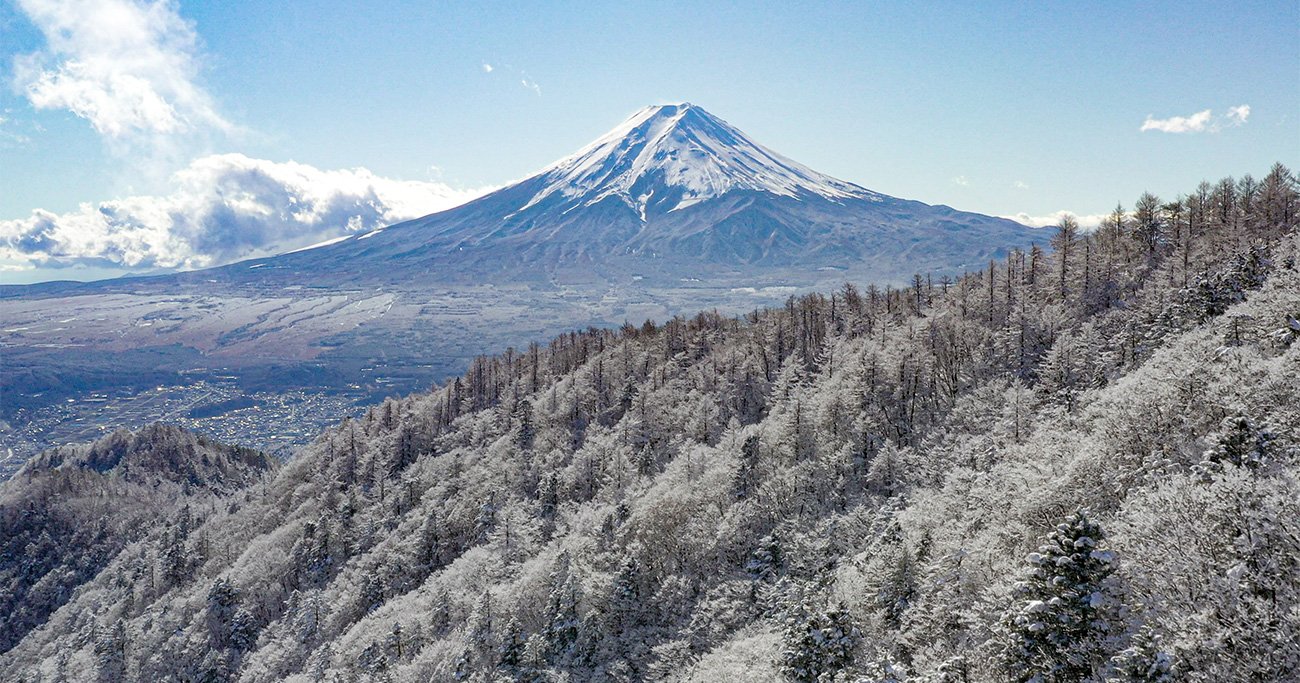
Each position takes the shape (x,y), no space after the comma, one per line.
(1201,122)
(1086,222)
(223,208)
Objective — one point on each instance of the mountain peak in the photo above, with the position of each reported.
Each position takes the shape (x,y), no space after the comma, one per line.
(669,156)
(668,190)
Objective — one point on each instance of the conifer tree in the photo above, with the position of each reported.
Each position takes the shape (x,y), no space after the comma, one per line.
(768,560)
(1061,627)
(222,601)
(1241,442)
(562,619)
(625,596)
(817,643)
(479,630)
(1143,661)
(110,653)
(513,642)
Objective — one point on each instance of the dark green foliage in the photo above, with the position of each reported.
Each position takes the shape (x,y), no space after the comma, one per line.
(817,643)
(1062,626)
(1143,661)
(1242,443)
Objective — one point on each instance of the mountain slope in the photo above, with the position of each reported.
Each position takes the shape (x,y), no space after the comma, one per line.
(860,486)
(667,157)
(672,191)
(69,511)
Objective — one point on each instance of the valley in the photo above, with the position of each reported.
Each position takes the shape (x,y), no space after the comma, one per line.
(301,359)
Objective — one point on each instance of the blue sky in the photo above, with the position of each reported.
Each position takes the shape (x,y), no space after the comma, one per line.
(1005,109)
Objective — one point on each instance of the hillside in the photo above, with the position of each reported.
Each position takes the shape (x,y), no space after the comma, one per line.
(1075,465)
(69,511)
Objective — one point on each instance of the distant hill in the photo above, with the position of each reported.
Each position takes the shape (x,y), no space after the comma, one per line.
(70,510)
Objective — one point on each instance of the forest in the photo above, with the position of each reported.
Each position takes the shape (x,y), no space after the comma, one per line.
(1077,463)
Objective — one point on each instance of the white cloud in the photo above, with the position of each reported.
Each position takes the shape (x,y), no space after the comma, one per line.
(961,180)
(223,208)
(1179,124)
(487,68)
(531,85)
(1020,185)
(127,67)
(1201,122)
(1087,222)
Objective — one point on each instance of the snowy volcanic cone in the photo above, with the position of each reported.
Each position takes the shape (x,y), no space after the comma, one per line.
(672,192)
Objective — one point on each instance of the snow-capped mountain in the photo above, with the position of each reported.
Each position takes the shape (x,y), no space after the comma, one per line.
(668,157)
(671,191)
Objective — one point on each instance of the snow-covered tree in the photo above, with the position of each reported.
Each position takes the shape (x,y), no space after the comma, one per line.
(1241,442)
(111,652)
(767,562)
(1064,623)
(817,643)
(1143,661)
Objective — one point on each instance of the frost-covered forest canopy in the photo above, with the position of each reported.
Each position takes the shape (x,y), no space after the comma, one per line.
(1077,464)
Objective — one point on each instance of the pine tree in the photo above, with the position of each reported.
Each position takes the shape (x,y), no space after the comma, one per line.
(1143,661)
(440,612)
(1067,233)
(747,475)
(1061,627)
(899,588)
(480,633)
(768,560)
(222,602)
(110,653)
(533,660)
(430,545)
(817,644)
(172,556)
(511,652)
(372,592)
(625,596)
(525,428)
(1241,442)
(1062,376)
(1148,225)
(311,610)
(562,619)
(243,630)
